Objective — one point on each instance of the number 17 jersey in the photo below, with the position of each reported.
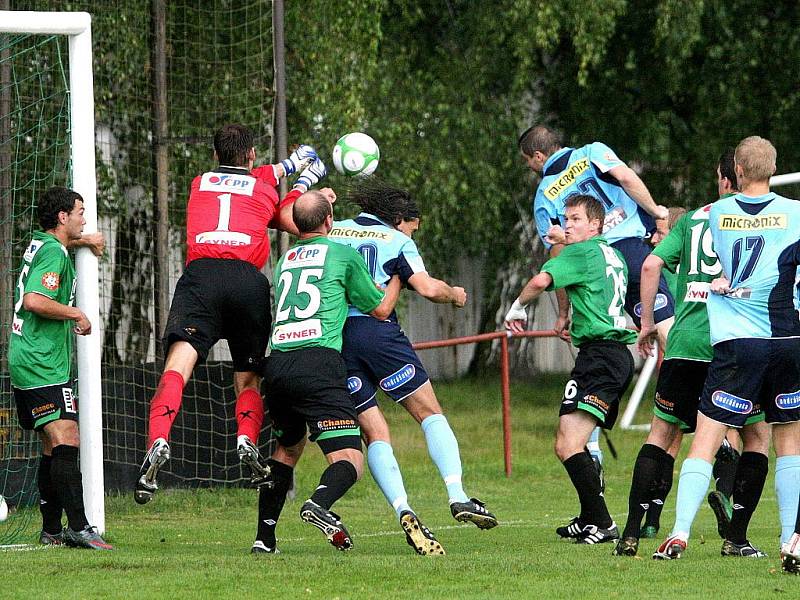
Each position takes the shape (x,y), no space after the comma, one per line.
(756,239)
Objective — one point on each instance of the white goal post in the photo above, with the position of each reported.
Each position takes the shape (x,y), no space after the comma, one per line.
(626,422)
(78,27)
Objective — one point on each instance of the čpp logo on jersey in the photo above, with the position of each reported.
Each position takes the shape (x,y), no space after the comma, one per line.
(227,182)
(398,378)
(661,302)
(731,403)
(31,251)
(788,401)
(312,255)
(747,223)
(566,179)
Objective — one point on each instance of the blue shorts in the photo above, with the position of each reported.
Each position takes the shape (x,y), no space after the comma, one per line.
(378,353)
(750,375)
(635,251)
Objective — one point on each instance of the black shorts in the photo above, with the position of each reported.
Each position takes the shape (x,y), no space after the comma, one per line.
(603,370)
(307,388)
(680,383)
(635,251)
(39,406)
(218,299)
(751,375)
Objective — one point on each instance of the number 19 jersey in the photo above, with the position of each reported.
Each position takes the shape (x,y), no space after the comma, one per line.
(688,251)
(756,239)
(316,280)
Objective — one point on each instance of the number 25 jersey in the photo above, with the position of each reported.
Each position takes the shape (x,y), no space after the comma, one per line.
(229,212)
(757,240)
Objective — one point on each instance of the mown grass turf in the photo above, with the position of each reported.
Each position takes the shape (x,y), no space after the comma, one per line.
(195,544)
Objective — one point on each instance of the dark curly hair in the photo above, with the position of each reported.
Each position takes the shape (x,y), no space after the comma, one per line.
(388,203)
(54,201)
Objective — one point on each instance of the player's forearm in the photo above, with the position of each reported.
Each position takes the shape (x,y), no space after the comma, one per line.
(648,288)
(434,290)
(50,309)
(636,189)
(390,297)
(285,221)
(563,303)
(534,288)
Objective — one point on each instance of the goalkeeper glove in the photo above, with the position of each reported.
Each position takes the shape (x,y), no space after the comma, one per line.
(298,159)
(311,175)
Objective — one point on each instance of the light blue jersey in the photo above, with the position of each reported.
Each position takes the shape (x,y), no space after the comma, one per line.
(386,250)
(572,171)
(757,240)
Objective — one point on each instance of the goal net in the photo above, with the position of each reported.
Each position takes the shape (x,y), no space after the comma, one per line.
(219,70)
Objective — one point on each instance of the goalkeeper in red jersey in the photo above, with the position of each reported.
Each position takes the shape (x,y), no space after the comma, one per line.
(222,294)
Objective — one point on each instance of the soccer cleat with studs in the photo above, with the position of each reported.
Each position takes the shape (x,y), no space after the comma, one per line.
(790,555)
(746,550)
(419,537)
(671,548)
(251,458)
(723,510)
(260,547)
(592,534)
(473,511)
(328,523)
(628,546)
(146,485)
(572,529)
(51,539)
(86,538)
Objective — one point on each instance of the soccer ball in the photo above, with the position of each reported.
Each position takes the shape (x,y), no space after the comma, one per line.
(356,154)
(3,509)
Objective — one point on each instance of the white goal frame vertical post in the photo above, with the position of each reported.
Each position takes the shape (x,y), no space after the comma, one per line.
(78,27)
(626,422)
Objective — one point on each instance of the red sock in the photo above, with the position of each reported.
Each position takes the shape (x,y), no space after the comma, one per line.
(165,405)
(249,414)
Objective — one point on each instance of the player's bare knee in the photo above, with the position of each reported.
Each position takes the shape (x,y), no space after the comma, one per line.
(756,437)
(352,455)
(62,432)
(566,447)
(373,426)
(422,403)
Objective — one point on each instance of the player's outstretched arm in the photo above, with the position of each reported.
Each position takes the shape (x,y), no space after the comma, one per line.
(637,190)
(517,316)
(300,158)
(651,273)
(390,296)
(437,290)
(50,309)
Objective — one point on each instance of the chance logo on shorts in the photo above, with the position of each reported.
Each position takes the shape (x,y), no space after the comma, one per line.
(788,401)
(731,403)
(398,378)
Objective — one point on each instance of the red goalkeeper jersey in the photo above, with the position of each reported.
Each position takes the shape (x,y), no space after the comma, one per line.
(229,212)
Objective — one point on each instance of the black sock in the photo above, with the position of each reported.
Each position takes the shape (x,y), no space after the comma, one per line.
(646,474)
(751,473)
(49,504)
(725,471)
(334,483)
(663,485)
(271,501)
(67,481)
(586,480)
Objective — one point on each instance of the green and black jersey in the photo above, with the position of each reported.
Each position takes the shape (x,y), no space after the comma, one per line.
(595,277)
(316,280)
(40,349)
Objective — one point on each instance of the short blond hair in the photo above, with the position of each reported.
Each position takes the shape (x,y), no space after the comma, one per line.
(756,156)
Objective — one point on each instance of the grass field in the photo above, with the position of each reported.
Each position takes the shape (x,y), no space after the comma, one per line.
(195,544)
